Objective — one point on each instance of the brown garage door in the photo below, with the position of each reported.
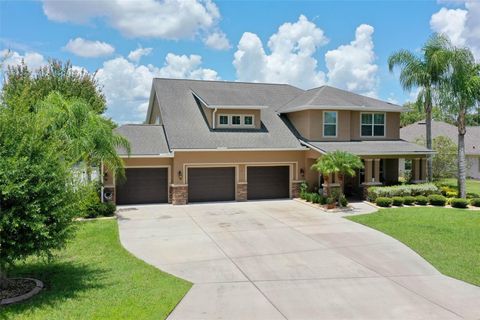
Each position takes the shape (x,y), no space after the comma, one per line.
(211,184)
(143,185)
(268,182)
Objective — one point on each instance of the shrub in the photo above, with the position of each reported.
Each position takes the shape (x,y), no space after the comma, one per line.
(459,203)
(452,194)
(323,200)
(423,189)
(421,200)
(316,198)
(343,201)
(409,200)
(397,201)
(437,200)
(383,202)
(330,200)
(472,195)
(475,202)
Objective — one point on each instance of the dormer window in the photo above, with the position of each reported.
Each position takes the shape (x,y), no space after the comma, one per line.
(248,120)
(236,120)
(223,120)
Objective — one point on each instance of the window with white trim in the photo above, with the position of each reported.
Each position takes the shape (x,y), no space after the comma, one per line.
(248,120)
(372,124)
(223,120)
(330,123)
(236,120)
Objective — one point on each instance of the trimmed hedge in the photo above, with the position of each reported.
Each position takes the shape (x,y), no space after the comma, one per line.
(409,200)
(423,189)
(421,200)
(437,200)
(397,201)
(384,202)
(459,203)
(475,202)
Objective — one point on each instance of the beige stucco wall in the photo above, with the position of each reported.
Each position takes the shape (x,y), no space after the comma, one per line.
(239,159)
(392,130)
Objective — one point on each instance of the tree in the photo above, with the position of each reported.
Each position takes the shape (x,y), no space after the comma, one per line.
(423,72)
(23,86)
(38,199)
(337,162)
(413,112)
(445,159)
(459,94)
(88,136)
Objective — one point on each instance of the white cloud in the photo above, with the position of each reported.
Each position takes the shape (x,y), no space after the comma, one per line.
(89,49)
(291,59)
(167,19)
(137,54)
(352,66)
(218,41)
(127,86)
(33,60)
(461,25)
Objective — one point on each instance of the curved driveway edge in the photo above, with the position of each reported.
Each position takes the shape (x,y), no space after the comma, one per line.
(286,260)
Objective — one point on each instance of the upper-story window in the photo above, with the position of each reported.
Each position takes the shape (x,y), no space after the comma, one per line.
(227,120)
(329,123)
(372,125)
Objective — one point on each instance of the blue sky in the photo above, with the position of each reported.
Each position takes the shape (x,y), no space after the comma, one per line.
(341,43)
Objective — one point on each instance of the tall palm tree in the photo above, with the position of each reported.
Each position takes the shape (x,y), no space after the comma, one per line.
(423,72)
(88,136)
(340,162)
(459,94)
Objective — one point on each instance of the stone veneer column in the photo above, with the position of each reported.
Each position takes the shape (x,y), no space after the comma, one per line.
(179,194)
(242,191)
(296,189)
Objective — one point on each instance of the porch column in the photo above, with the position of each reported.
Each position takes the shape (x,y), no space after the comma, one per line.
(368,170)
(423,175)
(416,169)
(376,171)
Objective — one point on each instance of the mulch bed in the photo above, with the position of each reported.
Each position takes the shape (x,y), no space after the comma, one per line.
(17,287)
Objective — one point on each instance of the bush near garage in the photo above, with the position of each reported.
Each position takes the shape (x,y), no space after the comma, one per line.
(397,201)
(409,200)
(424,189)
(421,200)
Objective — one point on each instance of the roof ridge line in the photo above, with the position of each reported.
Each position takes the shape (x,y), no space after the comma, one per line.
(230,81)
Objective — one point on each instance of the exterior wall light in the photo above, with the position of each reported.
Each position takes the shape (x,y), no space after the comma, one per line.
(180,175)
(302,172)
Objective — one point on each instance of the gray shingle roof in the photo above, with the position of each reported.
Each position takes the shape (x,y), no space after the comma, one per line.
(327,97)
(369,148)
(144,139)
(417,131)
(186,128)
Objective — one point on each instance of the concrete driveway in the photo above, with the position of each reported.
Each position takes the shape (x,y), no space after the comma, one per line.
(286,260)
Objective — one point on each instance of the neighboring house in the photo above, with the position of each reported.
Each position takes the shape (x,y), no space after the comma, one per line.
(416,131)
(224,141)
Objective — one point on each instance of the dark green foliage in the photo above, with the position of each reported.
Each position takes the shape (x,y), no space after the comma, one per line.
(316,198)
(437,200)
(475,202)
(459,203)
(343,201)
(383,202)
(408,200)
(421,200)
(472,195)
(397,201)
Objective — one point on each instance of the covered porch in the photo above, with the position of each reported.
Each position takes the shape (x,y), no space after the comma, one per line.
(381,164)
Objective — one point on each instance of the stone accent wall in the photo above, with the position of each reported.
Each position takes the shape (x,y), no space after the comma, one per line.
(242,191)
(179,194)
(296,189)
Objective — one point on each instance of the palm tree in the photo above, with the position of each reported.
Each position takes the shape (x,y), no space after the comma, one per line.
(88,136)
(337,162)
(459,93)
(423,72)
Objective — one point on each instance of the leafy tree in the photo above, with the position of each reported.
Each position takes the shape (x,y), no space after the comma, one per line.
(23,86)
(459,95)
(337,162)
(38,199)
(445,160)
(414,113)
(88,137)
(423,72)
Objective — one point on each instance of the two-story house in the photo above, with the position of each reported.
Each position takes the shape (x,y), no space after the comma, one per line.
(227,141)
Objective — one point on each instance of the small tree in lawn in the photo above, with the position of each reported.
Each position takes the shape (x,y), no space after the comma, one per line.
(338,162)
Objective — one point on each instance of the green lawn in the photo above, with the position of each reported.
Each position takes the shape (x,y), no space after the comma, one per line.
(448,238)
(95,278)
(472,185)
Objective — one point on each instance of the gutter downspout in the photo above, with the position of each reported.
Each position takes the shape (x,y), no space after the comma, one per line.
(214,117)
